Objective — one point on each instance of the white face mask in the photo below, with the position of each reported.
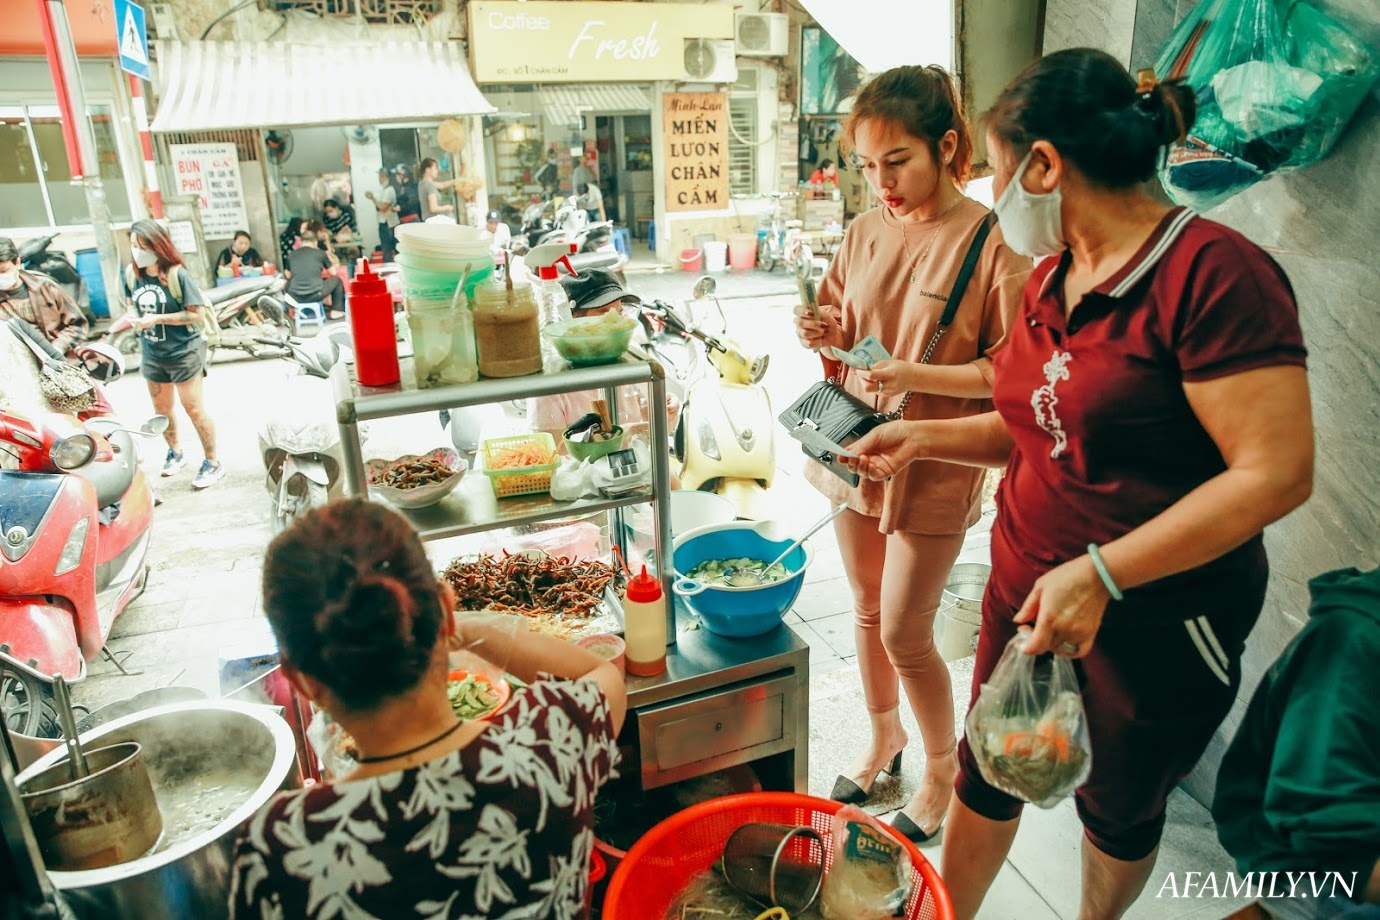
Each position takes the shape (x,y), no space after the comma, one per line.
(143,258)
(1031,224)
(9,280)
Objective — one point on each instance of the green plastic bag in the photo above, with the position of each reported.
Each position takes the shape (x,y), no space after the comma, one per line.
(1276,83)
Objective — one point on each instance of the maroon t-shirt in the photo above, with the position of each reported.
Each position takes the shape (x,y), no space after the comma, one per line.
(1105,437)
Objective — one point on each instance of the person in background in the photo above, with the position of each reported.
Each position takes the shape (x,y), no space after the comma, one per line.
(386,203)
(899,539)
(442,817)
(502,233)
(826,174)
(409,201)
(549,176)
(429,190)
(1299,788)
(594,292)
(38,299)
(340,221)
(1153,416)
(309,275)
(592,200)
(240,253)
(291,238)
(166,309)
(585,174)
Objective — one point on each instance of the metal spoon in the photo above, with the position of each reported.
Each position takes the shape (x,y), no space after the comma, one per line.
(63,699)
(744,579)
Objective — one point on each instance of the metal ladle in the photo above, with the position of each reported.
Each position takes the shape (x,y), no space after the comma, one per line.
(75,757)
(736,578)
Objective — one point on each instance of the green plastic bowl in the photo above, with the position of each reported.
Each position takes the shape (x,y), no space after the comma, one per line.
(588,350)
(593,450)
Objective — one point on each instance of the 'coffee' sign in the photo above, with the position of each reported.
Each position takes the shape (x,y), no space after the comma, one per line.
(695,126)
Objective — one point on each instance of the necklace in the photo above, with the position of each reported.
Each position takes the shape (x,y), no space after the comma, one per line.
(423,746)
(905,241)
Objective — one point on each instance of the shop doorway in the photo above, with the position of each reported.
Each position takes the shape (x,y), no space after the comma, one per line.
(398,146)
(606,142)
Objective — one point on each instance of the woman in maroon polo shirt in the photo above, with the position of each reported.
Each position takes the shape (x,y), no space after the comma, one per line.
(1152,412)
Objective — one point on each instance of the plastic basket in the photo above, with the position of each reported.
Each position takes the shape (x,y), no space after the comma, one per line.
(521,480)
(686,844)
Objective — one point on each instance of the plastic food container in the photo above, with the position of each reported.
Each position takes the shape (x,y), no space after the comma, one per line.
(520,480)
(739,612)
(593,450)
(603,347)
(495,682)
(608,647)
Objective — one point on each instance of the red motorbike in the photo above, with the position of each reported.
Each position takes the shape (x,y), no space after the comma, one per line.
(75,522)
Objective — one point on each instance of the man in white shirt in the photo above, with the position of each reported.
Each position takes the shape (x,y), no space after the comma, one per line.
(386,203)
(592,200)
(501,233)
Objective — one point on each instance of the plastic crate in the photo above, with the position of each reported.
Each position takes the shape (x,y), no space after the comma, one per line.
(686,844)
(522,480)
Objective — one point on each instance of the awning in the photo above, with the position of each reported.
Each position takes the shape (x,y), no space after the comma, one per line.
(920,32)
(214,86)
(563,104)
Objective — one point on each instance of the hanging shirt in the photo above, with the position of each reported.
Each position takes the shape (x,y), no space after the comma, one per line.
(1105,438)
(868,288)
(502,827)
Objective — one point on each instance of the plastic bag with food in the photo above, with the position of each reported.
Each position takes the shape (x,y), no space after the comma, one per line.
(1027,730)
(869,878)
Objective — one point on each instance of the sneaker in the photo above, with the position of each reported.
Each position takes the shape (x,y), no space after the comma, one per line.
(210,473)
(173,462)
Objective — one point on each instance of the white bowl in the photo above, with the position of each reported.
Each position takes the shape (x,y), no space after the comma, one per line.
(422,496)
(692,509)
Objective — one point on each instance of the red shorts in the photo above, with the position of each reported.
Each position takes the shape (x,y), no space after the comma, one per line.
(1155,691)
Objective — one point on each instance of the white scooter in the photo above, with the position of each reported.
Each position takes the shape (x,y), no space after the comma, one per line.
(299,439)
(725,439)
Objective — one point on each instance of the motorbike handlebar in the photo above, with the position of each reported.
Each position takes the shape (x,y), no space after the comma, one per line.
(277,343)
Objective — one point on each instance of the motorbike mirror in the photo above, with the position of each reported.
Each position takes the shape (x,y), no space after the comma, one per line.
(154,426)
(705,286)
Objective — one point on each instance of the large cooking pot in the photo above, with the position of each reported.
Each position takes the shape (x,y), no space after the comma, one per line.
(213,764)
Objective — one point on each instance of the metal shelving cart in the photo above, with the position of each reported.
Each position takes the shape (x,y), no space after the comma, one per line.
(722,702)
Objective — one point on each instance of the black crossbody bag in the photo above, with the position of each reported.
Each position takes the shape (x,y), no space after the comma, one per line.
(827,417)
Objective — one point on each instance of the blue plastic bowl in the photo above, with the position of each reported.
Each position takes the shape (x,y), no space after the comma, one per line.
(739,612)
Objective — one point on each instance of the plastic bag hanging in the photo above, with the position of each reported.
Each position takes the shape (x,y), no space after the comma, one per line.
(1027,730)
(1275,84)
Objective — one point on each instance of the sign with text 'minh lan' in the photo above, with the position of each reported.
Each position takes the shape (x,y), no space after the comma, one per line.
(695,126)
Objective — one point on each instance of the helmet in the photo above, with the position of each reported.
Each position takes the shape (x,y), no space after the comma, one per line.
(101,360)
(404,170)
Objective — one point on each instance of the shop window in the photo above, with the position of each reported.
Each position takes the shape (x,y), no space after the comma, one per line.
(742,145)
(41,193)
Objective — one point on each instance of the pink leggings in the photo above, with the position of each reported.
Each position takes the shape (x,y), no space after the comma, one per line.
(897,581)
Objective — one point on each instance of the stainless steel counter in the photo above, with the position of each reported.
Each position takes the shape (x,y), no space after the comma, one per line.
(724,702)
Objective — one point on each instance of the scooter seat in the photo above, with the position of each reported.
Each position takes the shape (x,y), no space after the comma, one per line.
(112,477)
(217,296)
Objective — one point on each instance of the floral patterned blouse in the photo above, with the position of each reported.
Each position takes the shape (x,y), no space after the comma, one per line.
(500,828)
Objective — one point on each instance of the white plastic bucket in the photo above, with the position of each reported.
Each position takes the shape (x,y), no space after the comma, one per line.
(960,610)
(715,256)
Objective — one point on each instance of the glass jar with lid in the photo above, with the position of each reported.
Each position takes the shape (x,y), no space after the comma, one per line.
(443,348)
(506,330)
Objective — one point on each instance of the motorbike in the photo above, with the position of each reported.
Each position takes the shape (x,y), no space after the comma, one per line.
(298,438)
(724,441)
(75,519)
(35,256)
(241,314)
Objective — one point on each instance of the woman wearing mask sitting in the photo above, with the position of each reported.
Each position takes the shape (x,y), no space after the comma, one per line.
(442,817)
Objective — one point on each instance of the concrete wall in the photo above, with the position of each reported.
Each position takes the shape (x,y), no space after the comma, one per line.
(1320,223)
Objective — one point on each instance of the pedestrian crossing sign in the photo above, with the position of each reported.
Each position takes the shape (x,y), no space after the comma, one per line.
(132,39)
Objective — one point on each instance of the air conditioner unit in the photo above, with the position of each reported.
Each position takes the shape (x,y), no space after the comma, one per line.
(763,34)
(710,61)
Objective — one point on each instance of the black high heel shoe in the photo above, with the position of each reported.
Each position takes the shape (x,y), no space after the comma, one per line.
(912,831)
(850,793)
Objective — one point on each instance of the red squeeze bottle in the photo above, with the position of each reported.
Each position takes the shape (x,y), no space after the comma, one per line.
(371,329)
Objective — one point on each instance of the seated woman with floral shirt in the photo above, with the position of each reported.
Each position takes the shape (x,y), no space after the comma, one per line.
(443,818)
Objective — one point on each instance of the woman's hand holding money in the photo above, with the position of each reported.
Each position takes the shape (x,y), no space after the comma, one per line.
(892,376)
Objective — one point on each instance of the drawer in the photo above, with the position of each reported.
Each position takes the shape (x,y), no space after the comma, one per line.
(701,734)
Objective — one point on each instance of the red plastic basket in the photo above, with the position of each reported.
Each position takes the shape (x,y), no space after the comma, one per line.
(686,844)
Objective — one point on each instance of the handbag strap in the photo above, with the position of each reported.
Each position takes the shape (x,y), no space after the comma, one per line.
(960,288)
